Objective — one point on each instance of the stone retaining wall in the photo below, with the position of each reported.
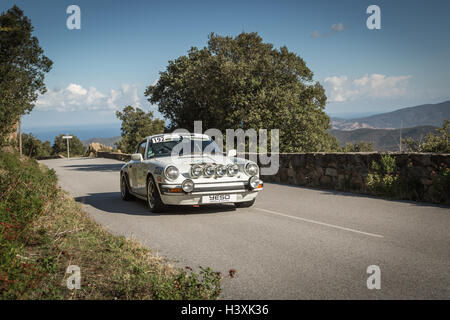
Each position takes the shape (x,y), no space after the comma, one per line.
(114,155)
(349,171)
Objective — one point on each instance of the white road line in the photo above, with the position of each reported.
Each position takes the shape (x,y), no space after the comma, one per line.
(321,223)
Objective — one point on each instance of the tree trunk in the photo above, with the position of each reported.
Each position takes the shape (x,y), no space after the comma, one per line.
(19,126)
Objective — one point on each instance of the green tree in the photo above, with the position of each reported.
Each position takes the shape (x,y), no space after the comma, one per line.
(76,147)
(22,68)
(360,146)
(244,83)
(438,142)
(136,125)
(34,148)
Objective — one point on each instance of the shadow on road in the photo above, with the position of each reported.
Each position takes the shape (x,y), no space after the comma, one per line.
(111,167)
(360,195)
(112,202)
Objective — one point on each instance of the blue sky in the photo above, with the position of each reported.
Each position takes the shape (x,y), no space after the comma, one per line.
(122,45)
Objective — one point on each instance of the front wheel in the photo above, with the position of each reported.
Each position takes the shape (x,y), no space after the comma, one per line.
(245,204)
(153,199)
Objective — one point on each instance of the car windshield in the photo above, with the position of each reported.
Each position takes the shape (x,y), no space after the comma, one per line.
(183,146)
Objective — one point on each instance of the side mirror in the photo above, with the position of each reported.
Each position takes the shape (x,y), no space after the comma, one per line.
(232,153)
(136,157)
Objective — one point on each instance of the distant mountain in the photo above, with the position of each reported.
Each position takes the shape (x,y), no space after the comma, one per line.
(105,141)
(382,139)
(423,115)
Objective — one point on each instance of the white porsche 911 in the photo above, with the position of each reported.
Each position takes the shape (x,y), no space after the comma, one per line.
(188,169)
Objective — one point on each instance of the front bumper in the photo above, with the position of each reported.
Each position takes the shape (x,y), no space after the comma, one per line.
(240,189)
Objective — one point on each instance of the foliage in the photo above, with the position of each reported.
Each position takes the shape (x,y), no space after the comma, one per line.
(437,143)
(76,147)
(34,148)
(43,231)
(22,68)
(440,188)
(387,165)
(136,125)
(384,180)
(24,191)
(360,146)
(409,182)
(244,83)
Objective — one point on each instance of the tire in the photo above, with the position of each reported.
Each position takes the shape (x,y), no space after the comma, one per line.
(124,192)
(154,201)
(246,204)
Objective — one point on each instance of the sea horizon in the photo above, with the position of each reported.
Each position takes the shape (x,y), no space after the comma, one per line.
(83,132)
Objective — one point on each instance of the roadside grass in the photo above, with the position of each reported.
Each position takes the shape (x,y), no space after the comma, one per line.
(43,231)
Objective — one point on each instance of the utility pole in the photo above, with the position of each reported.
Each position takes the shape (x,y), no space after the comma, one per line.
(401,127)
(67,139)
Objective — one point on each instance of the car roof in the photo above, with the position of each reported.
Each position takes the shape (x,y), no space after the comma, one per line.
(179,135)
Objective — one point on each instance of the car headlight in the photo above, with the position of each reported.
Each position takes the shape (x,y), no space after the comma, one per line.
(221,170)
(171,172)
(196,171)
(251,169)
(209,170)
(187,185)
(232,169)
(254,182)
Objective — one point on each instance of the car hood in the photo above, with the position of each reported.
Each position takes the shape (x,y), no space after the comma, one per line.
(193,159)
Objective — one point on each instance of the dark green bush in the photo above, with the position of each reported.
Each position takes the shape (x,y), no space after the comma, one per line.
(440,190)
(384,180)
(35,148)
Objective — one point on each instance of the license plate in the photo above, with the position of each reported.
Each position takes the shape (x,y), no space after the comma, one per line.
(219,198)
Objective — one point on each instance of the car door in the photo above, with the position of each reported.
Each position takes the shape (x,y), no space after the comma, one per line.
(141,172)
(134,167)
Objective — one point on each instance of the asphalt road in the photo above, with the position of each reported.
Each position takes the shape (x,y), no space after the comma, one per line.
(295,243)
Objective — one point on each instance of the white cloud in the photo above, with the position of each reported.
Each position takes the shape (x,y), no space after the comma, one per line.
(76,89)
(77,98)
(337,27)
(315,34)
(340,88)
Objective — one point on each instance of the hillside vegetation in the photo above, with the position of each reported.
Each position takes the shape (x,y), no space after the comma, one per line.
(382,139)
(423,115)
(43,231)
